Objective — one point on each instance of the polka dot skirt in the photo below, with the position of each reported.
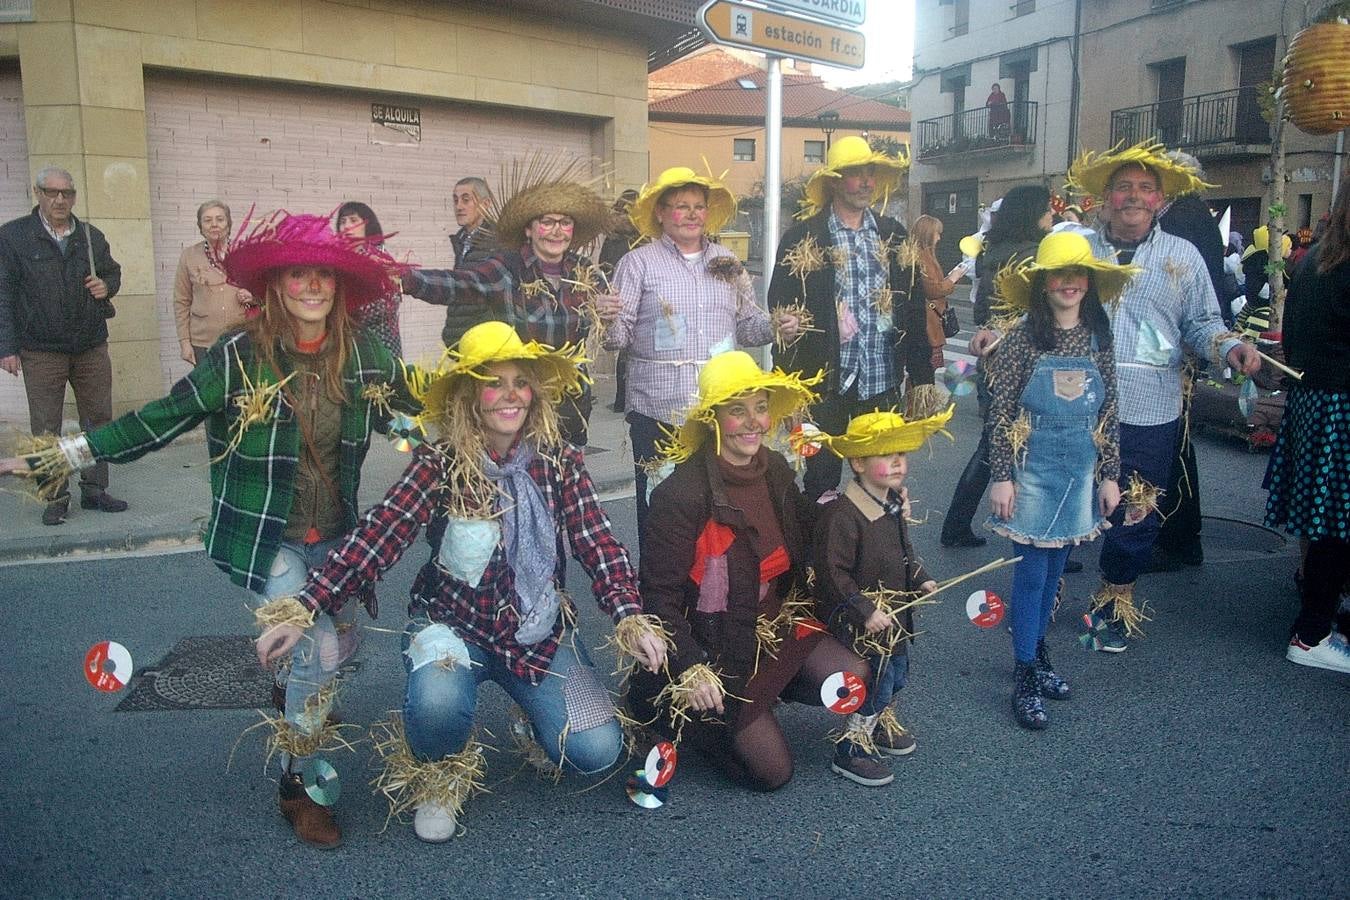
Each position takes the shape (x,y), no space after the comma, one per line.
(1309,473)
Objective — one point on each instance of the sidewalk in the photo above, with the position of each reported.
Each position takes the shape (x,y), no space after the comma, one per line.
(170,492)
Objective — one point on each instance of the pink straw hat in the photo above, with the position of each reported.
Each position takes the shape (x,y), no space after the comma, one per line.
(284,240)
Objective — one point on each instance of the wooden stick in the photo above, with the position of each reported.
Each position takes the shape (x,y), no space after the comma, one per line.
(89,245)
(988,567)
(1292,373)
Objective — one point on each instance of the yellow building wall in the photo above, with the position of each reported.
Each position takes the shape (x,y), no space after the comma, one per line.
(682,144)
(83,63)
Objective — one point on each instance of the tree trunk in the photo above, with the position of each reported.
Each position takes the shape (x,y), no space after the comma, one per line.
(1277,211)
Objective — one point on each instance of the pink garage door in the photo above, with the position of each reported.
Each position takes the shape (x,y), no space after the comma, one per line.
(15,200)
(308,149)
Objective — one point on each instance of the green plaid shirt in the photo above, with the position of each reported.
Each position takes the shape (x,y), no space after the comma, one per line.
(253,486)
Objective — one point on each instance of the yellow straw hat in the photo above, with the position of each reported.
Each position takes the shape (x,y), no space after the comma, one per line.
(1261,241)
(1091,173)
(728,376)
(884,433)
(1059,250)
(848,153)
(721,201)
(491,342)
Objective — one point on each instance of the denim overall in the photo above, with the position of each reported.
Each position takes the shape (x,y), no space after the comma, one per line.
(1055,500)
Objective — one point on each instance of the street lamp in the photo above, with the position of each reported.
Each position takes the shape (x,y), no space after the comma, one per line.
(828,120)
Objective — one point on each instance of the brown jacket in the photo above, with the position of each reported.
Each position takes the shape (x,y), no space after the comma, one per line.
(714,622)
(858,547)
(936,289)
(205,306)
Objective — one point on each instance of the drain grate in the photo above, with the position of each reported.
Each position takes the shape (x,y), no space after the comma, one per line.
(209,672)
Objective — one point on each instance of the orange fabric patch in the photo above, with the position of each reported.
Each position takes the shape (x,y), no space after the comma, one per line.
(773,565)
(715,540)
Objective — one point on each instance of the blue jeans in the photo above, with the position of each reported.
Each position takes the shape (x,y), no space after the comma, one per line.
(330,642)
(889,675)
(1035,582)
(1150,450)
(569,709)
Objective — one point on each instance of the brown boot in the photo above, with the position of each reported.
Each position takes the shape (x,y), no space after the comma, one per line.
(313,824)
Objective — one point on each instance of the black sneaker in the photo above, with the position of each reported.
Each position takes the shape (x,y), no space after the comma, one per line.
(865,770)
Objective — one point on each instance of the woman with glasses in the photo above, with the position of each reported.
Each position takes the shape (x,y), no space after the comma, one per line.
(538,282)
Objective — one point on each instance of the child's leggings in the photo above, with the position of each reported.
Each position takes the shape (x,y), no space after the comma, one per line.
(1035,582)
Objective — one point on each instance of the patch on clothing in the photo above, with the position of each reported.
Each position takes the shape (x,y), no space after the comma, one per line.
(467,547)
(1069,383)
(713,585)
(587,701)
(1152,348)
(434,644)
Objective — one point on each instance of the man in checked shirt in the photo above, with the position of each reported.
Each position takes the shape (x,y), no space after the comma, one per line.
(842,263)
(682,301)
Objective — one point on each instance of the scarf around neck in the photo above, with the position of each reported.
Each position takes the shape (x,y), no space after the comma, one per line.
(529,536)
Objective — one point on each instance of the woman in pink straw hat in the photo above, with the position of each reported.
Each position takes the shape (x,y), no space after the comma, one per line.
(289,401)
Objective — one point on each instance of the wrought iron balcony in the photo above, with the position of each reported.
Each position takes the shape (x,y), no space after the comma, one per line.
(1225,119)
(985,130)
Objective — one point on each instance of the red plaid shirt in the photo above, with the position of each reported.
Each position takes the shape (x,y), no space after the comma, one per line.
(484,614)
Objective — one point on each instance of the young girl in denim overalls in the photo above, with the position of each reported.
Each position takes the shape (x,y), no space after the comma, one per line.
(1054,439)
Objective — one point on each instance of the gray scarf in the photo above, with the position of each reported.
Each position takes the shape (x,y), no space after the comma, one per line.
(530,537)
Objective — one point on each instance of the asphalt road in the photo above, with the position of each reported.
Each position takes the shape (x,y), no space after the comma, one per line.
(1199,763)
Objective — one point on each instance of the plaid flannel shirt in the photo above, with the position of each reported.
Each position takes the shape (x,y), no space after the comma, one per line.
(1170,303)
(865,359)
(253,486)
(539,312)
(485,614)
(675,316)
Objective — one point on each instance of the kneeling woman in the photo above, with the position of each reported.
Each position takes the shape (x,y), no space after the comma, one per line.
(725,548)
(504,498)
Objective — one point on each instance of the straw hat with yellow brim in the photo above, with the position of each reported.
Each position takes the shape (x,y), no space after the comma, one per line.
(1261,241)
(491,342)
(849,153)
(728,376)
(1060,250)
(1091,173)
(884,433)
(721,201)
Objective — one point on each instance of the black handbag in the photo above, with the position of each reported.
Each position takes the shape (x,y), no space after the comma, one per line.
(951,326)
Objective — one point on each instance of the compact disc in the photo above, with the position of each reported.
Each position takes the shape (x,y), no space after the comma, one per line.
(801,440)
(321,782)
(843,692)
(404,433)
(1247,398)
(959,377)
(985,608)
(107,666)
(660,765)
(643,794)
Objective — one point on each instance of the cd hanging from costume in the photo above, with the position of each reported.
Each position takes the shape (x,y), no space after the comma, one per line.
(1247,396)
(405,433)
(985,608)
(321,782)
(660,765)
(107,666)
(641,792)
(959,377)
(843,693)
(801,440)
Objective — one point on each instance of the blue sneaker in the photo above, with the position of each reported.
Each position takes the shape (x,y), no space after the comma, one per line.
(1103,635)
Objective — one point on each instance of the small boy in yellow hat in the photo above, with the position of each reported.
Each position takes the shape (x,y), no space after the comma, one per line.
(867,574)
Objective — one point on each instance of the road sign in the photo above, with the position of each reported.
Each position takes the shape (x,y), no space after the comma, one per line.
(738,24)
(842,12)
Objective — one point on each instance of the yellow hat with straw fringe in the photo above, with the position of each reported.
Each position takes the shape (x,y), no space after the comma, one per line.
(491,342)
(883,433)
(849,153)
(1091,173)
(721,201)
(728,376)
(1059,250)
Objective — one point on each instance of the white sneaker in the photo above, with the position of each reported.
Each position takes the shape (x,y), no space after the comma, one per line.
(434,823)
(1327,654)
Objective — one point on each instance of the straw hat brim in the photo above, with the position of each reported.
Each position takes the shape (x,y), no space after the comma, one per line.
(885,433)
(590,213)
(559,369)
(1091,172)
(1013,283)
(721,205)
(816,194)
(789,393)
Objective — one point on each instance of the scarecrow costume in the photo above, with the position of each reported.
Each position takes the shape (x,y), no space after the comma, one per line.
(1168,304)
(860,291)
(286,459)
(551,303)
(677,311)
(489,603)
(724,568)
(865,563)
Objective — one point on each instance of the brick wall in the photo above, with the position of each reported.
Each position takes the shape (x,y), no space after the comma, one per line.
(15,200)
(307,149)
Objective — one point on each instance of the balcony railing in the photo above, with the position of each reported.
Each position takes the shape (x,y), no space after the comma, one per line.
(982,130)
(1224,117)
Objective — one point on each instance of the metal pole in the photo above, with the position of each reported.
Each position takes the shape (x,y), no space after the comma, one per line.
(773,174)
(1336,167)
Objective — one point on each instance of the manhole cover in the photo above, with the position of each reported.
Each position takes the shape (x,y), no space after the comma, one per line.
(1232,538)
(210,672)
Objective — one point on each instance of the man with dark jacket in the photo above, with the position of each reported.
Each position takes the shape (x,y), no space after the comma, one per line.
(53,323)
(473,243)
(845,264)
